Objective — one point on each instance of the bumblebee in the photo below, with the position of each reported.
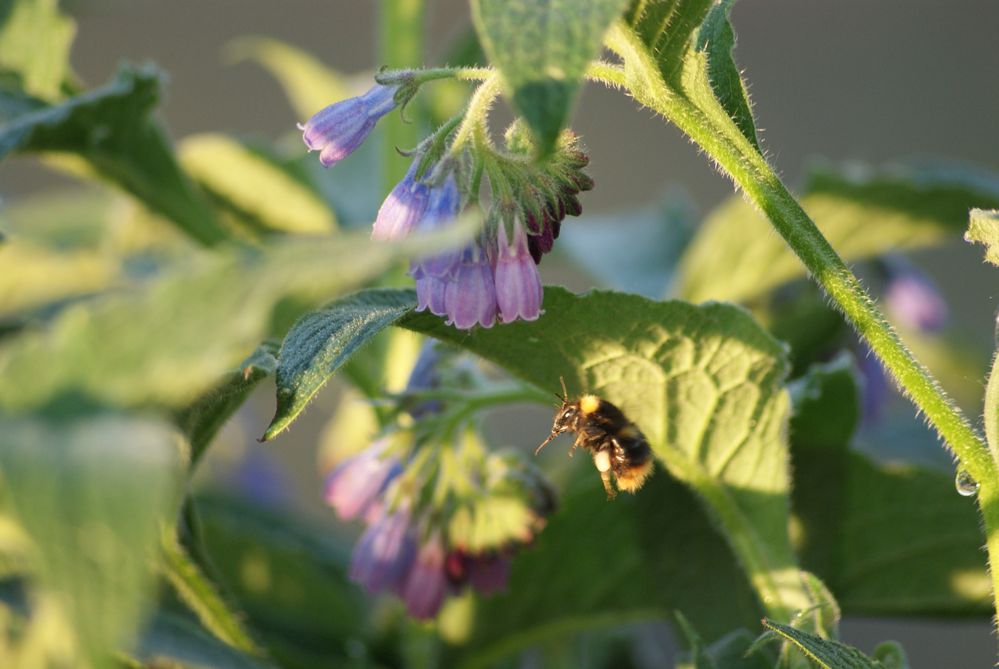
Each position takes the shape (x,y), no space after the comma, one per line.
(617,445)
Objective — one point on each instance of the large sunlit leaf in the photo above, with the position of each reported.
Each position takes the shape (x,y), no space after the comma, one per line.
(542,49)
(705,384)
(170,340)
(35,39)
(255,189)
(111,129)
(862,212)
(92,494)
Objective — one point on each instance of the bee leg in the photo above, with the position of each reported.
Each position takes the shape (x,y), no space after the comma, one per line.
(602,461)
(608,486)
(575,444)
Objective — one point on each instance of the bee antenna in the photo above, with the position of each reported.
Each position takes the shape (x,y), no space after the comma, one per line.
(545,442)
(565,393)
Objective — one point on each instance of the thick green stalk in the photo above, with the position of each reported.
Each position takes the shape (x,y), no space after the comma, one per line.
(714,131)
(400,45)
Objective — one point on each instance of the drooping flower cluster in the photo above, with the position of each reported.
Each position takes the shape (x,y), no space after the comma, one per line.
(424,552)
(495,277)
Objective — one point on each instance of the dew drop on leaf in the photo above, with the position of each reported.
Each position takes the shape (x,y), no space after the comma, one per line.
(966,486)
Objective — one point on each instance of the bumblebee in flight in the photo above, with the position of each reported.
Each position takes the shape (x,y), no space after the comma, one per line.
(617,445)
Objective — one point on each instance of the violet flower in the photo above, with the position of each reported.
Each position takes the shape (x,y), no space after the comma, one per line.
(355,484)
(518,284)
(384,554)
(443,205)
(337,130)
(404,207)
(470,296)
(426,584)
(430,293)
(913,300)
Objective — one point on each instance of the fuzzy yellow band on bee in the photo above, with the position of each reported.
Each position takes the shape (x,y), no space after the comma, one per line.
(588,404)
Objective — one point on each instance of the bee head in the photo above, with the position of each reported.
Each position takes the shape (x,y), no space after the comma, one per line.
(565,417)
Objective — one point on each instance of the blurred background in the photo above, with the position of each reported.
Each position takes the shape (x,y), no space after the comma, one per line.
(841,81)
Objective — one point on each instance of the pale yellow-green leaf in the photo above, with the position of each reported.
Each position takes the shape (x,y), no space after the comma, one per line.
(253,186)
(169,340)
(34,275)
(309,84)
(983,228)
(91,493)
(35,39)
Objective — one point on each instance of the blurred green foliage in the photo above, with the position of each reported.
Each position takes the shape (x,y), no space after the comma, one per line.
(139,311)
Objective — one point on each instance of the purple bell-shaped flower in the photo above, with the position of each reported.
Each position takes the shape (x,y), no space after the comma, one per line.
(337,130)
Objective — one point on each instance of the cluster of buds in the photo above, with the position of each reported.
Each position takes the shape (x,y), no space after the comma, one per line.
(437,522)
(496,276)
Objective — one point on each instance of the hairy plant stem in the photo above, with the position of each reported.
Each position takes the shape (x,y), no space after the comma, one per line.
(706,123)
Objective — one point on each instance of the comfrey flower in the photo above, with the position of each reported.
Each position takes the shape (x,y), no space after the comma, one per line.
(403,208)
(912,300)
(470,294)
(426,584)
(385,553)
(354,486)
(337,130)
(518,284)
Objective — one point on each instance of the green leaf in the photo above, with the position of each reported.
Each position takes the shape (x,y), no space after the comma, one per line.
(983,227)
(34,275)
(717,39)
(253,187)
(542,49)
(862,212)
(308,83)
(202,597)
(322,341)
(35,38)
(289,577)
(824,652)
(92,494)
(202,420)
(886,538)
(691,42)
(110,128)
(705,385)
(169,340)
(172,641)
